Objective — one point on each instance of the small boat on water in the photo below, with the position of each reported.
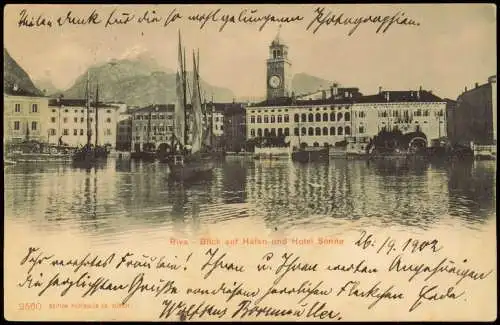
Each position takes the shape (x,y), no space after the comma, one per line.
(304,155)
(35,151)
(191,156)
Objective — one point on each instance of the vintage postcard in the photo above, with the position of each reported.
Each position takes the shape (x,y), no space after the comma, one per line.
(250,162)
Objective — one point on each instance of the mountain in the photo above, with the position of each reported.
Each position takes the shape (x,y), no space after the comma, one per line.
(47,87)
(138,81)
(15,75)
(303,83)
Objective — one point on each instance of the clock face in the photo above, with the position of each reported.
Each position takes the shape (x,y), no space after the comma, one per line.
(274,81)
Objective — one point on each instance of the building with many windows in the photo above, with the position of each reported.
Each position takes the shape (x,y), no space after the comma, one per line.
(66,121)
(152,126)
(340,114)
(23,115)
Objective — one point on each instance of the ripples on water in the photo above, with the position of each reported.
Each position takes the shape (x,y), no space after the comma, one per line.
(126,196)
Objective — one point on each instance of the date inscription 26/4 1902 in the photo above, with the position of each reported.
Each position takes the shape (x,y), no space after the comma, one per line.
(390,245)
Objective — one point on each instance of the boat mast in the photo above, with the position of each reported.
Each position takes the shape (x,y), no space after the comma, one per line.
(184,98)
(87,104)
(97,114)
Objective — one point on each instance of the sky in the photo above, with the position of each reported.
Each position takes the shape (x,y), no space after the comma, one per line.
(453,46)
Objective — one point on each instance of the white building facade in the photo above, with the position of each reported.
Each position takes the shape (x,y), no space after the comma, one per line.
(67,121)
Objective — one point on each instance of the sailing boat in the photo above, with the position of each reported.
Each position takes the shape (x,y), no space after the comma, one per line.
(190,151)
(89,153)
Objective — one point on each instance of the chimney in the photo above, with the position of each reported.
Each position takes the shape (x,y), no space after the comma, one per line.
(15,87)
(323,94)
(477,84)
(380,89)
(387,97)
(465,89)
(331,91)
(335,89)
(420,88)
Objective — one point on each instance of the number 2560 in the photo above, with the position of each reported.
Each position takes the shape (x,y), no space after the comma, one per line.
(30,306)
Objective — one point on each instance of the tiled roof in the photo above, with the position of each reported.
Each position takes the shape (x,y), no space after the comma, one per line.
(74,103)
(19,92)
(153,108)
(394,96)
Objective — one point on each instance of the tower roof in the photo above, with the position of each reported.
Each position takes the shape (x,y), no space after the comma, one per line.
(278,40)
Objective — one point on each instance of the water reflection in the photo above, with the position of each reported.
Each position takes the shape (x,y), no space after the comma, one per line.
(124,196)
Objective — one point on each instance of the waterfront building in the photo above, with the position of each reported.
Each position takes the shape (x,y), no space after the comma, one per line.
(124,131)
(234,127)
(152,127)
(66,121)
(23,115)
(342,114)
(475,115)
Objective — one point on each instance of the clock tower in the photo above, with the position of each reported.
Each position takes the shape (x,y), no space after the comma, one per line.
(279,75)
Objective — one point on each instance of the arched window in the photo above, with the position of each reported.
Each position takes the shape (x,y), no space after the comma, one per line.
(332,116)
(332,130)
(296,131)
(347,116)
(296,118)
(259,132)
(339,131)
(318,117)
(273,132)
(286,118)
(347,130)
(279,119)
(311,117)
(266,119)
(266,132)
(316,144)
(304,117)
(252,119)
(287,132)
(272,119)
(304,131)
(339,116)
(325,131)
(310,131)
(280,131)
(318,131)
(252,132)
(259,119)
(325,117)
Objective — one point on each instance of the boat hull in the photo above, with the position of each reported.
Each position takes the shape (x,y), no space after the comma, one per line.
(145,155)
(310,155)
(39,157)
(191,168)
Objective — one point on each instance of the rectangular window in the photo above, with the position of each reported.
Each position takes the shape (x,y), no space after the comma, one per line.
(75,132)
(65,132)
(108,131)
(65,120)
(53,119)
(108,111)
(34,108)
(286,119)
(108,120)
(81,120)
(17,108)
(17,125)
(52,131)
(33,125)
(81,131)
(75,119)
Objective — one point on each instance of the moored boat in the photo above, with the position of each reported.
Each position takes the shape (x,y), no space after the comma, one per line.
(310,154)
(191,156)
